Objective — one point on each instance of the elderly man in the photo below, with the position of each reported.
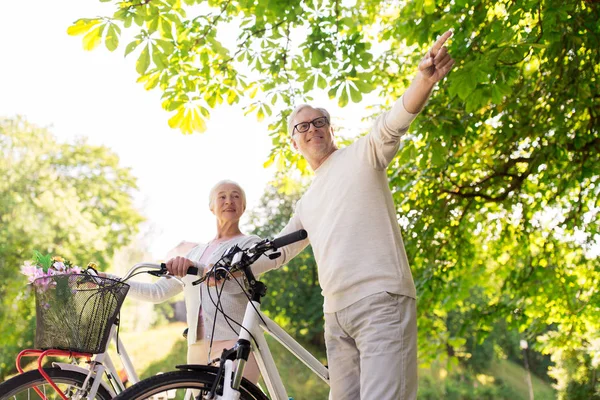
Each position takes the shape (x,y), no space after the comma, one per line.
(350,217)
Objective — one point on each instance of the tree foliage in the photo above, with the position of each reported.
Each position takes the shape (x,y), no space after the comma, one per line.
(294,297)
(497,186)
(72,200)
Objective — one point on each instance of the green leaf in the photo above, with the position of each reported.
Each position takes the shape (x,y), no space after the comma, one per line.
(132,46)
(151,80)
(332,92)
(171,105)
(253,92)
(343,100)
(44,261)
(429,6)
(112,38)
(159,58)
(176,120)
(187,123)
(143,61)
(260,115)
(408,154)
(211,99)
(232,97)
(267,109)
(355,95)
(198,123)
(309,84)
(81,26)
(204,111)
(438,154)
(364,86)
(321,82)
(466,86)
(165,28)
(93,38)
(269,162)
(497,96)
(167,46)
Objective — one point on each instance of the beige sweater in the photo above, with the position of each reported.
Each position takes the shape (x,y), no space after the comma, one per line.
(351,219)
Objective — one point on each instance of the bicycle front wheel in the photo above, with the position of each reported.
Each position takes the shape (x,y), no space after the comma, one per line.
(185,385)
(22,386)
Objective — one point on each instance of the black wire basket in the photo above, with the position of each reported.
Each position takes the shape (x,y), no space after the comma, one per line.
(76,312)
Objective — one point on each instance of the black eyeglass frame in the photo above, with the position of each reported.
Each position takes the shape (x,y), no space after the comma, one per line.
(308,126)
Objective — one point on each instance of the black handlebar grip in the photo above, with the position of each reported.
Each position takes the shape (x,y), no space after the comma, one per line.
(192,271)
(289,239)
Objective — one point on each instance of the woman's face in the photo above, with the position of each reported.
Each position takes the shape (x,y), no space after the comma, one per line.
(228,204)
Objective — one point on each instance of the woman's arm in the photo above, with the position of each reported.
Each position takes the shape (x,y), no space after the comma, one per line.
(154,292)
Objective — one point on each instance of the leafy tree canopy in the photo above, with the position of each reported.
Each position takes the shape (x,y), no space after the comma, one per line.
(72,200)
(497,186)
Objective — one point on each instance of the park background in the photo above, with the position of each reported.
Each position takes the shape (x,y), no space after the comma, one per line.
(496,184)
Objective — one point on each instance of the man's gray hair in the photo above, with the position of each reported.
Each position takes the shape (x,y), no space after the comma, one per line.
(213,192)
(301,107)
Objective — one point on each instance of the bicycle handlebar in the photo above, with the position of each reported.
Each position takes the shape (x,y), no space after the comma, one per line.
(155,269)
(289,239)
(237,259)
(248,257)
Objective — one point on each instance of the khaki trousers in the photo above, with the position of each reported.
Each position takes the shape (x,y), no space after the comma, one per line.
(372,349)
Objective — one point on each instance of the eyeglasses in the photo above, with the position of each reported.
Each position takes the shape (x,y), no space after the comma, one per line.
(305,126)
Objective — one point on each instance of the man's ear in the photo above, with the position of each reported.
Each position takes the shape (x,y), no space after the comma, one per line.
(294,145)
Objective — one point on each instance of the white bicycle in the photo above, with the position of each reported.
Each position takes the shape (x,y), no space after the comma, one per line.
(86,319)
(226,381)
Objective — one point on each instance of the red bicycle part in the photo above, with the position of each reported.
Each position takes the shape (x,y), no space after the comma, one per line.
(41,354)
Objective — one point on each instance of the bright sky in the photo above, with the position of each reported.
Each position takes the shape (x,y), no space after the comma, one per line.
(46,76)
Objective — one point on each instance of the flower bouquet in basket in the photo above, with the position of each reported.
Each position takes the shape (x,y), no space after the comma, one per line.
(74,309)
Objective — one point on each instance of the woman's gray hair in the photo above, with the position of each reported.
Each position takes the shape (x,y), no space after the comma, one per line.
(213,192)
(301,107)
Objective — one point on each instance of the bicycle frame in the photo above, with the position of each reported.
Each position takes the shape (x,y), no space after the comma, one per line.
(257,324)
(100,364)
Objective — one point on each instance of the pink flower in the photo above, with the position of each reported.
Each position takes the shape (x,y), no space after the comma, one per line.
(29,270)
(59,266)
(74,270)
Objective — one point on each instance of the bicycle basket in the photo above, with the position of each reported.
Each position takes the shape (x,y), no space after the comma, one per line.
(76,312)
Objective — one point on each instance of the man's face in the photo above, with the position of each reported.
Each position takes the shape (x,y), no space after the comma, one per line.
(315,142)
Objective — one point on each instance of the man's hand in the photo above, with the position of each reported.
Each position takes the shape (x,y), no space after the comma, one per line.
(436,65)
(437,62)
(178,266)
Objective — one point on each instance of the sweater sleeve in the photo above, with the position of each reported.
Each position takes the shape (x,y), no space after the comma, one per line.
(265,264)
(155,292)
(384,139)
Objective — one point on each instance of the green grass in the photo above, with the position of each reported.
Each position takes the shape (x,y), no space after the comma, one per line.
(515,376)
(155,350)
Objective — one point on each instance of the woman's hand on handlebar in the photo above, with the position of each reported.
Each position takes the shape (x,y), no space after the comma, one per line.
(178,266)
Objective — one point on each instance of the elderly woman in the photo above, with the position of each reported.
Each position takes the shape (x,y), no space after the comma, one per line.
(227,201)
